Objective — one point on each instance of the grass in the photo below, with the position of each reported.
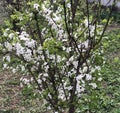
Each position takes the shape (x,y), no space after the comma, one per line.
(111,71)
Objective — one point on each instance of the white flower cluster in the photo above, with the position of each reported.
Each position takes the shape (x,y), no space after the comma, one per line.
(55,20)
(91,28)
(36,6)
(25,81)
(8,46)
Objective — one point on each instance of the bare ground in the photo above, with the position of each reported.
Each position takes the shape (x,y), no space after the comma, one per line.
(10,92)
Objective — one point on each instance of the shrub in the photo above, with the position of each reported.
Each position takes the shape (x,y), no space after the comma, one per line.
(56,47)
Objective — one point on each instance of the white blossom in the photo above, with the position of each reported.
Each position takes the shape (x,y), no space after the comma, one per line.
(28,55)
(19,49)
(24,36)
(39,81)
(4,66)
(8,58)
(36,6)
(22,68)
(30,43)
(71,59)
(68,5)
(11,35)
(86,22)
(79,77)
(61,94)
(94,85)
(85,68)
(8,46)
(56,112)
(75,63)
(88,77)
(99,79)
(25,80)
(69,88)
(45,74)
(14,70)
(92,29)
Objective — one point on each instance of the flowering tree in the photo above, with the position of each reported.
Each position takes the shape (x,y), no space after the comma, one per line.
(55,43)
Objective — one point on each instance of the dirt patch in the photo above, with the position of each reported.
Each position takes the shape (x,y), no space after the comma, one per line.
(10,91)
(113,26)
